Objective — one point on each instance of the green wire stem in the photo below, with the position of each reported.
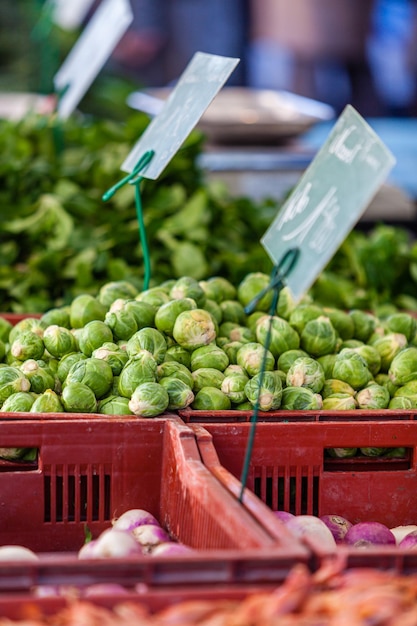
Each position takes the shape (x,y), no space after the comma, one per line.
(277,283)
(134,178)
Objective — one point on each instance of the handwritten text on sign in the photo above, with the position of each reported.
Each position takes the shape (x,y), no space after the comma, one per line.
(331,196)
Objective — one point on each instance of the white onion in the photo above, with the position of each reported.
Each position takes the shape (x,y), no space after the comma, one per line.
(133,518)
(17,553)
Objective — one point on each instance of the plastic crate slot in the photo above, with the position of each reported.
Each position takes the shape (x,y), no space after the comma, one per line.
(294,489)
(361,463)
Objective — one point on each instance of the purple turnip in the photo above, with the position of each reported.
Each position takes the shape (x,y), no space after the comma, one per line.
(409,542)
(337,525)
(365,534)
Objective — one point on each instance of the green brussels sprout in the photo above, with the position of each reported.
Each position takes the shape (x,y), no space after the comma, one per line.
(59,341)
(224,341)
(364,324)
(369,451)
(334,386)
(167,313)
(339,402)
(209,356)
(264,390)
(214,309)
(175,369)
(402,323)
(351,344)
(377,334)
(38,374)
(373,396)
(233,311)
(95,373)
(243,334)
(27,323)
(400,402)
(283,377)
(233,368)
(352,368)
(327,362)
(395,453)
(155,296)
(113,355)
(188,287)
(85,308)
(180,394)
(195,328)
(302,314)
(211,399)
(207,377)
(253,357)
(113,290)
(251,286)
(78,398)
(67,362)
(252,320)
(2,350)
(385,380)
(59,316)
(231,349)
(178,354)
(168,284)
(371,356)
(218,289)
(149,339)
(114,405)
(403,366)
(16,454)
(93,335)
(300,399)
(287,358)
(342,453)
(388,347)
(226,328)
(27,345)
(121,323)
(282,336)
(149,400)
(233,386)
(140,368)
(409,390)
(47,402)
(143,312)
(20,401)
(341,321)
(286,303)
(5,328)
(318,337)
(306,372)
(244,406)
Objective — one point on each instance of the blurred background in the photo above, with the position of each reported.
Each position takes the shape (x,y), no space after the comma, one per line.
(336,51)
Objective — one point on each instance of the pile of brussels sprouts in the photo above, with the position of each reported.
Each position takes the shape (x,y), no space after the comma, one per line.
(189,343)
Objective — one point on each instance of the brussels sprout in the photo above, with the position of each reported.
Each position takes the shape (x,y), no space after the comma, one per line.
(341,321)
(143,312)
(402,323)
(140,368)
(306,372)
(282,336)
(38,374)
(214,309)
(244,406)
(207,377)
(27,345)
(224,341)
(59,341)
(59,316)
(253,357)
(231,349)
(47,402)
(302,314)
(111,291)
(377,334)
(67,362)
(226,328)
(93,335)
(195,328)
(233,311)
(233,386)
(286,303)
(234,369)
(155,296)
(114,405)
(385,380)
(180,394)
(264,390)
(318,337)
(211,399)
(400,402)
(300,399)
(176,370)
(167,313)
(85,308)
(178,354)
(14,454)
(287,358)
(148,339)
(209,356)
(388,347)
(352,368)
(403,366)
(5,328)
(122,324)
(334,386)
(218,289)
(364,324)
(371,356)
(188,287)
(327,362)
(373,451)
(342,453)
(395,453)
(373,396)
(252,320)
(251,286)
(113,355)
(2,350)
(149,400)
(20,401)
(78,398)
(409,390)
(339,402)
(95,373)
(27,323)
(243,334)
(351,343)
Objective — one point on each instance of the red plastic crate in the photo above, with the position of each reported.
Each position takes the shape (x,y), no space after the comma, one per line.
(358,415)
(289,470)
(89,471)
